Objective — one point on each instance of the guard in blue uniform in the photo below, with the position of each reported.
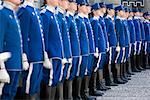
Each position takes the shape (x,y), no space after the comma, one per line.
(147,39)
(63,5)
(121,42)
(136,22)
(100,46)
(124,74)
(84,48)
(54,47)
(92,54)
(142,56)
(112,39)
(102,68)
(75,48)
(10,41)
(131,28)
(33,49)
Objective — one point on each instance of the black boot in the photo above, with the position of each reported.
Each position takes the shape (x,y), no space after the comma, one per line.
(110,79)
(68,90)
(32,97)
(59,91)
(92,86)
(126,75)
(147,61)
(139,63)
(45,93)
(100,81)
(129,69)
(85,89)
(77,94)
(118,79)
(143,59)
(122,72)
(134,67)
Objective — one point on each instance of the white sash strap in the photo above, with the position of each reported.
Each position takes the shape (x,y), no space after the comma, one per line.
(117,57)
(51,76)
(123,57)
(69,70)
(110,55)
(100,55)
(28,78)
(78,70)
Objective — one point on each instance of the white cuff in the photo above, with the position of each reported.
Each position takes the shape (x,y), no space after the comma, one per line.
(25,63)
(47,64)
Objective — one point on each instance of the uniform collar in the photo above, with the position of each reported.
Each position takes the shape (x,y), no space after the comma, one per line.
(108,16)
(101,15)
(60,9)
(27,3)
(136,17)
(146,20)
(118,17)
(81,15)
(86,16)
(130,18)
(123,18)
(97,18)
(51,9)
(9,5)
(70,13)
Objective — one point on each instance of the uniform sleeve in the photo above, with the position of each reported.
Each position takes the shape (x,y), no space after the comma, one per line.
(147,31)
(137,30)
(95,32)
(2,30)
(24,25)
(45,20)
(78,26)
(107,26)
(118,29)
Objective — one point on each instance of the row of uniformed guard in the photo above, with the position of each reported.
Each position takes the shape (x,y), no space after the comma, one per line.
(69,49)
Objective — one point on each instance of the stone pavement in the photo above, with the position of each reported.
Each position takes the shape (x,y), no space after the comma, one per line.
(138,88)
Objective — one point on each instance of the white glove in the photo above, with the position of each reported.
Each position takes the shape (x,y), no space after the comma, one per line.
(70,60)
(96,53)
(123,48)
(1,88)
(47,63)
(4,76)
(4,56)
(25,63)
(107,49)
(64,61)
(118,48)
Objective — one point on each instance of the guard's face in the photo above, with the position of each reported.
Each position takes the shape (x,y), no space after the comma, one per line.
(112,12)
(73,6)
(104,10)
(131,14)
(65,4)
(137,14)
(83,9)
(121,13)
(127,14)
(55,2)
(16,2)
(89,9)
